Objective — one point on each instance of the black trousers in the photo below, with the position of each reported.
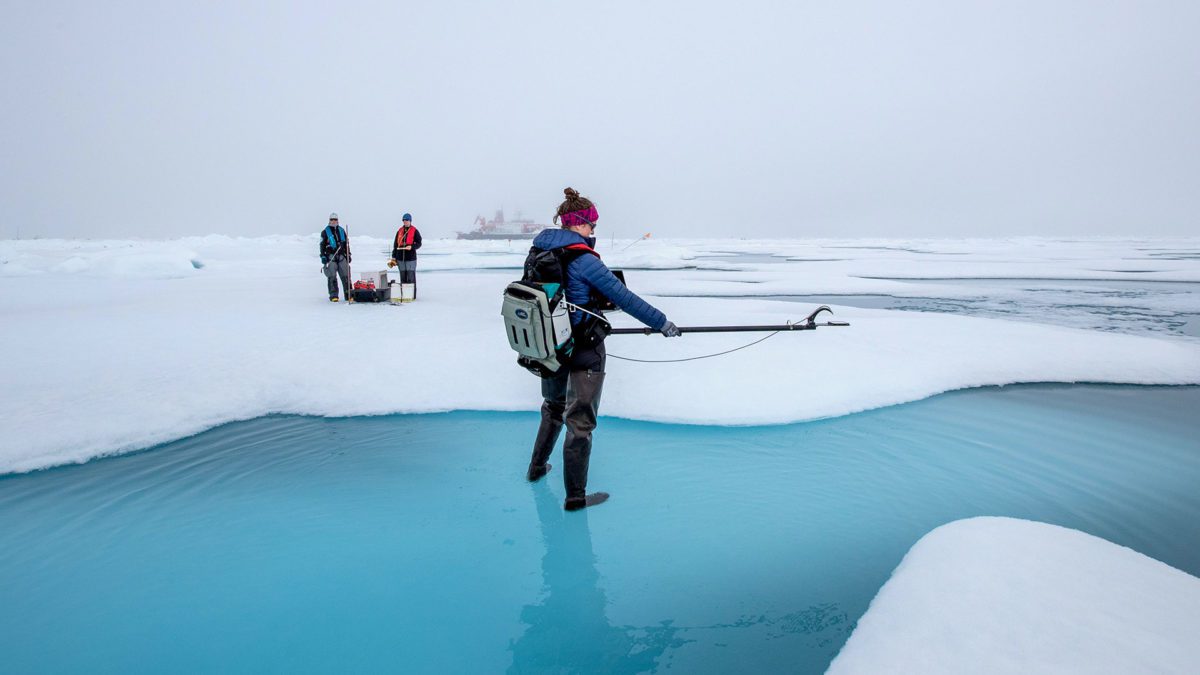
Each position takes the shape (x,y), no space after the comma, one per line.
(571,397)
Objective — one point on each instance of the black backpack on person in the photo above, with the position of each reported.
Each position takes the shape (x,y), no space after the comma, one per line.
(536,317)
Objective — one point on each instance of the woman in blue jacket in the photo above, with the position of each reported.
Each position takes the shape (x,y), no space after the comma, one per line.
(572,395)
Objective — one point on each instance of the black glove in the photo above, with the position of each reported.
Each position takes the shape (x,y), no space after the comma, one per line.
(670,330)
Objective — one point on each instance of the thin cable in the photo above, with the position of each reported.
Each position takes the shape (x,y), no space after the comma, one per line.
(696,358)
(571,306)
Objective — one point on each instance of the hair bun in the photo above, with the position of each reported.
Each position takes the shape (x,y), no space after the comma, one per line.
(571,193)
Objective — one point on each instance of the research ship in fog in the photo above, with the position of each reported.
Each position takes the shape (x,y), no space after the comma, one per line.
(499,228)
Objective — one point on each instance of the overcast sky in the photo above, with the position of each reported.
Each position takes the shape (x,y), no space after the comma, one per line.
(159,119)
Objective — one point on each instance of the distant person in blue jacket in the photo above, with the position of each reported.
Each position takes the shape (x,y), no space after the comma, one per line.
(572,395)
(335,257)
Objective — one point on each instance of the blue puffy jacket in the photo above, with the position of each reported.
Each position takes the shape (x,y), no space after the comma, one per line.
(587,273)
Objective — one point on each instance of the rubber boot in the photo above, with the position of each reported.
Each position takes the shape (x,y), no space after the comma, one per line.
(577,503)
(583,404)
(535,473)
(547,438)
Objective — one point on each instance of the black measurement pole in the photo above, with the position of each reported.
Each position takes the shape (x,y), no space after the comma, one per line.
(731,329)
(809,323)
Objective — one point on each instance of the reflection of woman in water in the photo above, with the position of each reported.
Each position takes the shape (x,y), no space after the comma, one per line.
(568,630)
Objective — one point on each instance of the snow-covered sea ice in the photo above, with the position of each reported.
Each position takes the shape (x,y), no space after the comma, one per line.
(730,546)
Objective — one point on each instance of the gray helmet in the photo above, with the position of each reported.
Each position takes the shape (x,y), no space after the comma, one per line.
(333,216)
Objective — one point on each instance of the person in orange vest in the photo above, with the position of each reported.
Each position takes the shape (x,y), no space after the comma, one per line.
(404,252)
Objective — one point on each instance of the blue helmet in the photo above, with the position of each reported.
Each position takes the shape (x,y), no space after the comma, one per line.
(407,217)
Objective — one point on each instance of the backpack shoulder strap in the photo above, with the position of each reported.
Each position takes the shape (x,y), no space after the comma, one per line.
(569,254)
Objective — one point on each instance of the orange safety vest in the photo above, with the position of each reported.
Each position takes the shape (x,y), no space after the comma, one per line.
(405,235)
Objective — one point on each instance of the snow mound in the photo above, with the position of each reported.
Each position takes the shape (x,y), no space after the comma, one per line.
(115,259)
(1000,595)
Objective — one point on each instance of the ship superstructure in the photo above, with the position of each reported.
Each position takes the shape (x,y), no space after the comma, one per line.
(500,228)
